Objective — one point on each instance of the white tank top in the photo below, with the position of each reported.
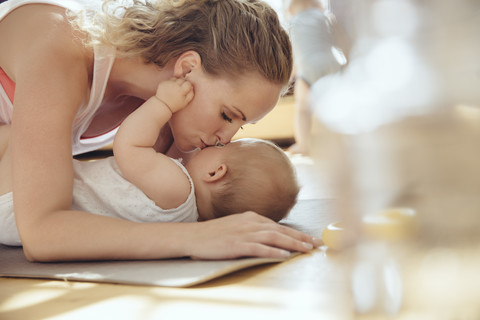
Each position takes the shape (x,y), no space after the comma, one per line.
(99,187)
(103,61)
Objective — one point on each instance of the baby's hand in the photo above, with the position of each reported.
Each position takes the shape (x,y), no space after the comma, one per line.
(176,93)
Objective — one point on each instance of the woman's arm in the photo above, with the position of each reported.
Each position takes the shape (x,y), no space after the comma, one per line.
(5,163)
(154,173)
(4,137)
(51,75)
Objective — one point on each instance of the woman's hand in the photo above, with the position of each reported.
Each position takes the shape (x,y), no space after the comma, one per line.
(176,93)
(246,235)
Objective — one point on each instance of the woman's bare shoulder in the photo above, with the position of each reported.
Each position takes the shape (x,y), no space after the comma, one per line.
(39,27)
(35,18)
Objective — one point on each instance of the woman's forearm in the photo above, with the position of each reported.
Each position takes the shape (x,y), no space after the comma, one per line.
(76,235)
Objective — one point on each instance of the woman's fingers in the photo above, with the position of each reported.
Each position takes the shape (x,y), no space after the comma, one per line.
(315,242)
(248,235)
(292,239)
(284,241)
(253,249)
(248,249)
(267,244)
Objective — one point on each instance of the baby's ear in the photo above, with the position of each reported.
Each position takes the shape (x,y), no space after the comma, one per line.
(216,174)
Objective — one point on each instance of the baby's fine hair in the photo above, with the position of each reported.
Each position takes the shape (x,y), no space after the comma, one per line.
(232,37)
(260,178)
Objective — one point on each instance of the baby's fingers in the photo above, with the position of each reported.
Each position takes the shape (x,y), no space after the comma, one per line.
(186,87)
(189,95)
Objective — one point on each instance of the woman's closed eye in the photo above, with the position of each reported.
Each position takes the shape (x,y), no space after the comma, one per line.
(226,118)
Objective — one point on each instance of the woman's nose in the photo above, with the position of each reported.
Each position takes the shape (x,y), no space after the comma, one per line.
(225,135)
(221,141)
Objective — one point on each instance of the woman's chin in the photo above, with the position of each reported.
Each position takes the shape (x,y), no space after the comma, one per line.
(187,148)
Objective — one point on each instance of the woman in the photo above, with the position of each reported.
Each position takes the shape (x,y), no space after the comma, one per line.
(69,77)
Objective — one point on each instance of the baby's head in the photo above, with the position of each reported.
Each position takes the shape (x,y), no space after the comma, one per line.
(251,174)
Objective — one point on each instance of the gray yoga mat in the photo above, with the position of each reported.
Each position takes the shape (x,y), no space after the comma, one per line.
(167,273)
(307,215)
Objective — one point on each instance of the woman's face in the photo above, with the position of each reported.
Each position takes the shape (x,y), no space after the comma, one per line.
(220,107)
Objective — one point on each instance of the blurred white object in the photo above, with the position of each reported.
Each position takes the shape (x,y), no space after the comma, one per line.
(400,126)
(406,111)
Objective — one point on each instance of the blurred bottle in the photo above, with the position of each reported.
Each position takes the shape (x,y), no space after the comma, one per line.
(401,127)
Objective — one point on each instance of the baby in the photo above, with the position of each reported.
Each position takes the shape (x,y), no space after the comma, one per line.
(141,185)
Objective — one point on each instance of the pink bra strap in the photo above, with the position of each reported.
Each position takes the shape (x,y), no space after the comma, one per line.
(7,84)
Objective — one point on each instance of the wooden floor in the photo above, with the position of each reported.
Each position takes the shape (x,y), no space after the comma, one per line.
(373,281)
(310,285)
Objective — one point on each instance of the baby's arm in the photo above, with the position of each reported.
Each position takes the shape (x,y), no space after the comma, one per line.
(154,173)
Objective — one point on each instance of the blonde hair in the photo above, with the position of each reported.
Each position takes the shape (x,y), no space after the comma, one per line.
(232,37)
(260,178)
